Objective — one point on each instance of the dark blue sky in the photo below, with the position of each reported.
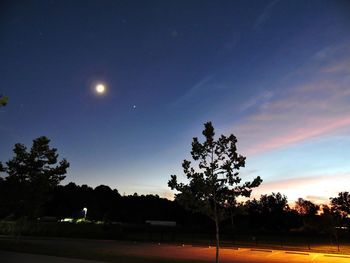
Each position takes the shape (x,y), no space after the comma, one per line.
(181,63)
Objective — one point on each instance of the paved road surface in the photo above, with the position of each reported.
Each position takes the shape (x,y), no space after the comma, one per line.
(244,255)
(13,257)
(115,251)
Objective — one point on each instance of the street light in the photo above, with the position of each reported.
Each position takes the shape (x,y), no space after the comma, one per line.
(85,212)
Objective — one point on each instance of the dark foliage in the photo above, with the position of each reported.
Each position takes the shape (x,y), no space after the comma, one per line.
(213,180)
(271,213)
(341,203)
(107,205)
(31,178)
(31,188)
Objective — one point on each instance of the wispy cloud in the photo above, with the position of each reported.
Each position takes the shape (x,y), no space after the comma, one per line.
(317,104)
(265,15)
(318,199)
(315,188)
(261,100)
(197,89)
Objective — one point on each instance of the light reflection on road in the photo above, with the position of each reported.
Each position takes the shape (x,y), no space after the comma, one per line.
(114,249)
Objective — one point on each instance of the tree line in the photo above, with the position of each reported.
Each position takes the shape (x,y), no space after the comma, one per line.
(30,186)
(31,189)
(269,214)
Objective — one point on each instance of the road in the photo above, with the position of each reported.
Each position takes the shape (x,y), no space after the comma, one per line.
(189,253)
(117,251)
(13,257)
(242,255)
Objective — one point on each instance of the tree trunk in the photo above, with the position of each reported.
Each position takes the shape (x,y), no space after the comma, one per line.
(216,219)
(217,239)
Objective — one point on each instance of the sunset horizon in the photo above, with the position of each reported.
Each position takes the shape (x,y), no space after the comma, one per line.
(124,106)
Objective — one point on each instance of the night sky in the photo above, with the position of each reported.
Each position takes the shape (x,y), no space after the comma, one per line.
(274,73)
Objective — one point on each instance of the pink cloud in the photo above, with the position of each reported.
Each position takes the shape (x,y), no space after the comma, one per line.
(316,128)
(342,66)
(316,107)
(315,188)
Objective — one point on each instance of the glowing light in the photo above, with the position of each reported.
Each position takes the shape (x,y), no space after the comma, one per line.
(85,212)
(69,220)
(100,88)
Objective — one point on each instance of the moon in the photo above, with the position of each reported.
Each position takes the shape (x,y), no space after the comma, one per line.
(100,88)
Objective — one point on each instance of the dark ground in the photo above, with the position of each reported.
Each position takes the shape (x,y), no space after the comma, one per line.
(134,252)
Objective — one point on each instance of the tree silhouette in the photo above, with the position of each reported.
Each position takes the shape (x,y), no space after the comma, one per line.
(341,204)
(32,175)
(308,212)
(215,179)
(275,202)
(269,212)
(306,207)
